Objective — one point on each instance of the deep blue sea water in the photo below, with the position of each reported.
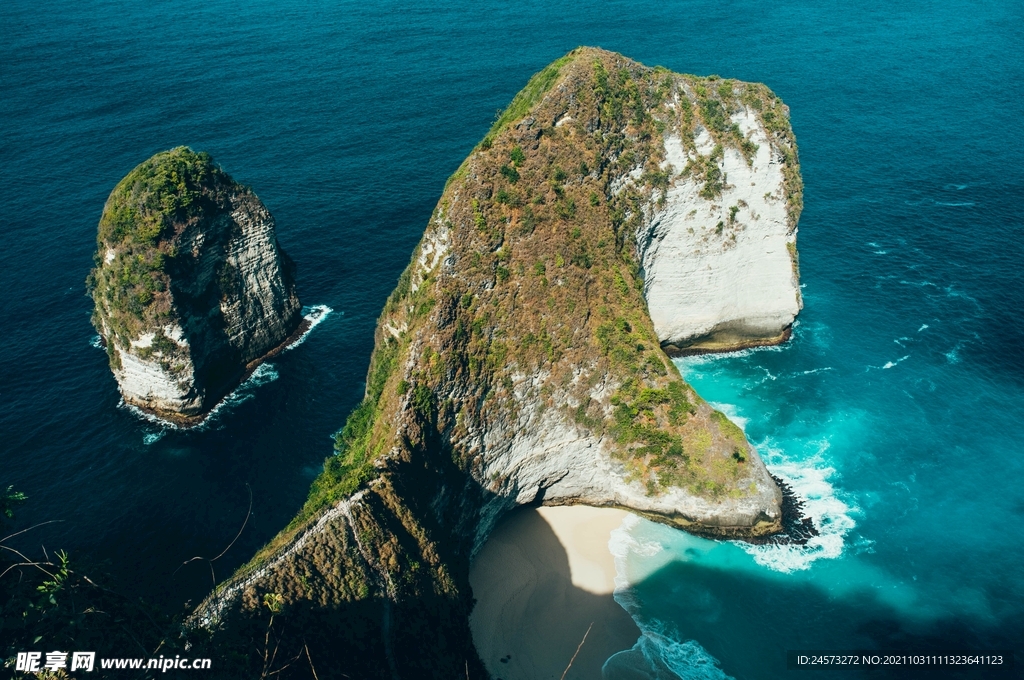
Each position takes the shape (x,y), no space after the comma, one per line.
(897,408)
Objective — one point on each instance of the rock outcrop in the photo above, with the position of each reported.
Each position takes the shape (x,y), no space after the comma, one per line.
(191,288)
(517,361)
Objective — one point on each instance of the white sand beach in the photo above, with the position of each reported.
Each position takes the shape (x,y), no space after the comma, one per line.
(544,576)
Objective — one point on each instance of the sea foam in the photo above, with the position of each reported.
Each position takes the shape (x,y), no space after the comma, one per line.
(659,653)
(831,515)
(263,374)
(662,656)
(802,463)
(314,315)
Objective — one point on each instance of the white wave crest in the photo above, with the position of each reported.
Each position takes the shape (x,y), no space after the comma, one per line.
(695,360)
(661,655)
(621,544)
(153,437)
(732,413)
(148,417)
(315,316)
(263,374)
(832,516)
(890,364)
(659,652)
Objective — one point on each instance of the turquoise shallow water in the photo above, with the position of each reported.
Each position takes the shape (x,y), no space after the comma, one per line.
(897,407)
(918,546)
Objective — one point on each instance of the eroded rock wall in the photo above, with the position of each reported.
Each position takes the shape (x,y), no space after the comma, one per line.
(720,271)
(192,286)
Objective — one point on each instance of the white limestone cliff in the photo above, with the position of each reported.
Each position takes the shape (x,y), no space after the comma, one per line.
(187,314)
(255,309)
(545,458)
(720,273)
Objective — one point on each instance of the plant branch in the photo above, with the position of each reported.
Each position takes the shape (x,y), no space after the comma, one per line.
(213,576)
(34,526)
(577,652)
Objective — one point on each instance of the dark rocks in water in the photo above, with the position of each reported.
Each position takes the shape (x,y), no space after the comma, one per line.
(797,528)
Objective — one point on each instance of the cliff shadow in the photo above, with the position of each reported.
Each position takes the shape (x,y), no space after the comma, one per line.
(749,623)
(529,617)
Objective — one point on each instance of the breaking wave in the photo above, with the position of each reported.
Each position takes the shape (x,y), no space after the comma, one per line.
(265,373)
(659,652)
(831,515)
(314,316)
(660,655)
(890,364)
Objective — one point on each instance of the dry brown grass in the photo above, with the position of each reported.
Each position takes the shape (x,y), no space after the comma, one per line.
(540,281)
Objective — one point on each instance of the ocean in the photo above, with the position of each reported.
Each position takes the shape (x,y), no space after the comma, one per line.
(896,409)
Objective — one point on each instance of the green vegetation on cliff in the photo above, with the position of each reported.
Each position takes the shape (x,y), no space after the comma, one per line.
(522,309)
(135,242)
(547,282)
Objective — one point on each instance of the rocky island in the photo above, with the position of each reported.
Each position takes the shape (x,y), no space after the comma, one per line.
(191,288)
(613,213)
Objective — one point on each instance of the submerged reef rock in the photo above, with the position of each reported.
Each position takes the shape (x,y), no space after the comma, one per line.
(613,209)
(190,285)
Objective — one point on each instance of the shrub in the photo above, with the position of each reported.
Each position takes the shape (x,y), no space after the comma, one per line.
(509,173)
(566,209)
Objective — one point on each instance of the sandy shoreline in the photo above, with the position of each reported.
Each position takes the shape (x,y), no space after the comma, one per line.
(544,576)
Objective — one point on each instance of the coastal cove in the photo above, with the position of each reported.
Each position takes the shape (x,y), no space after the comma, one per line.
(894,409)
(544,580)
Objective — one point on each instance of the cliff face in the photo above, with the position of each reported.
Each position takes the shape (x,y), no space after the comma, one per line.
(517,360)
(190,284)
(719,254)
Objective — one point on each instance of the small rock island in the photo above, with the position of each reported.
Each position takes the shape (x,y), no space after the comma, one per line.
(191,288)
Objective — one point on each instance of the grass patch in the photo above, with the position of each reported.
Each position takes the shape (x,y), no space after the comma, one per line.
(137,240)
(526,98)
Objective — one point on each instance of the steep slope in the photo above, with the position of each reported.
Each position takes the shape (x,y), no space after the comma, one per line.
(516,361)
(718,253)
(190,284)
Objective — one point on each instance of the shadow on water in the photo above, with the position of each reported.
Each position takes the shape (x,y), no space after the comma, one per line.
(136,501)
(750,623)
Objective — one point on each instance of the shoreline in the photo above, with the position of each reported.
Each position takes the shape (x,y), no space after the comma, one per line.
(698,349)
(543,581)
(307,322)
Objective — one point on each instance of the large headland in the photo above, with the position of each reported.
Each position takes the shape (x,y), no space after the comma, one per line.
(615,213)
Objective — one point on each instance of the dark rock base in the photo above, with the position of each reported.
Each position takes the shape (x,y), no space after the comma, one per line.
(797,528)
